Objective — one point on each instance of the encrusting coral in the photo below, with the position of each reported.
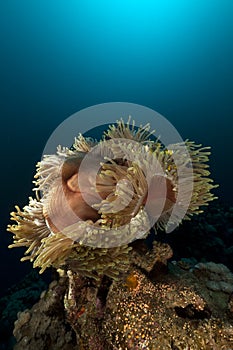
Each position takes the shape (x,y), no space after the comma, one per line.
(87,227)
(176,310)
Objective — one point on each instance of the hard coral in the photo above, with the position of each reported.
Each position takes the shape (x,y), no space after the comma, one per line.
(178,311)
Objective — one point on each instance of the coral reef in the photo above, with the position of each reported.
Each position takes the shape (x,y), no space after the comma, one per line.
(166,314)
(212,229)
(95,207)
(19,297)
(218,277)
(174,310)
(44,326)
(91,300)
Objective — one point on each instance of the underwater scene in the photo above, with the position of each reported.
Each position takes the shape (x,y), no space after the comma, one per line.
(116,200)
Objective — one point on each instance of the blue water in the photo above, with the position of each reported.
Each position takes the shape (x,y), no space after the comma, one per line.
(57,57)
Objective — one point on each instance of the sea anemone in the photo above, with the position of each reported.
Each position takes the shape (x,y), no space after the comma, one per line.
(94,199)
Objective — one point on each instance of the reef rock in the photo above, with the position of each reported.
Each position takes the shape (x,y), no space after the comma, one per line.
(175,310)
(44,326)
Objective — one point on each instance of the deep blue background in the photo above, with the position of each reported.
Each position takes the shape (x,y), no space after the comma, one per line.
(57,57)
